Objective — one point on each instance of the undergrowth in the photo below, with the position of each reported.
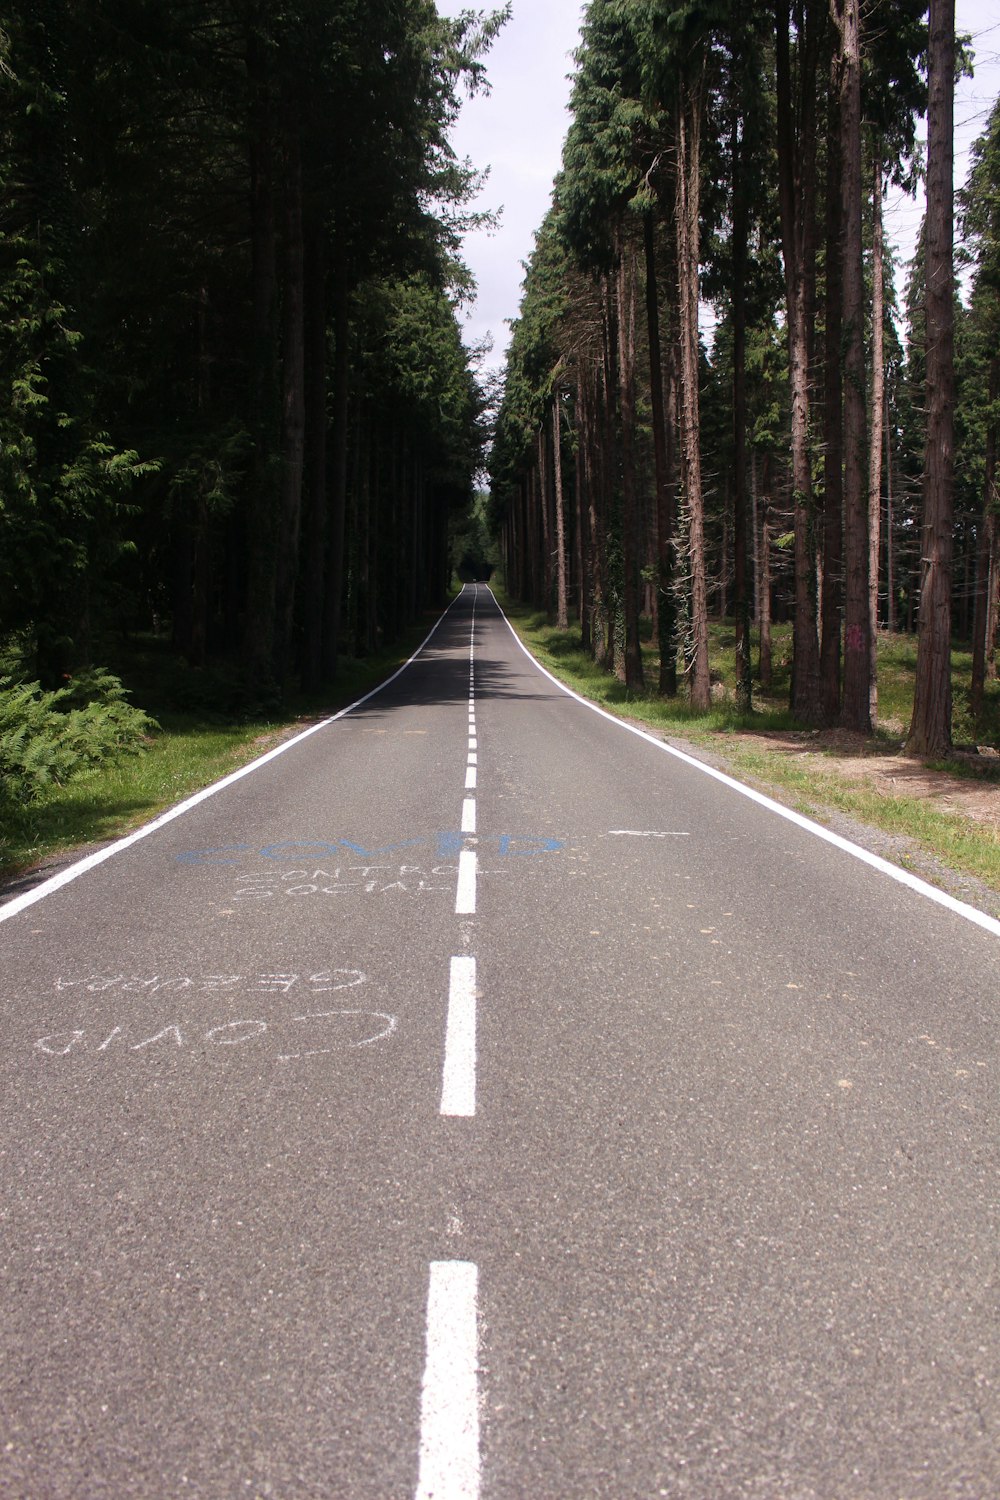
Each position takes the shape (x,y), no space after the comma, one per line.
(49,737)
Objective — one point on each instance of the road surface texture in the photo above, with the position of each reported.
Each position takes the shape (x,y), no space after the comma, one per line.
(477,1099)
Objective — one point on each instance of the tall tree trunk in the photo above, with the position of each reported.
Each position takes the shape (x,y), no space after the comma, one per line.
(597,518)
(876,445)
(985,619)
(666,612)
(522,550)
(688,123)
(337,515)
(831,593)
(261,532)
(890,541)
(610,459)
(562,616)
(201,532)
(608,451)
(796,139)
(583,537)
(856,711)
(545,507)
(930,729)
(293,406)
(764,598)
(314,539)
(993,594)
(755,536)
(630,496)
(741,596)
(533,527)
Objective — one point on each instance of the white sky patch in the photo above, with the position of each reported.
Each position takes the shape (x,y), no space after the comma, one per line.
(974,99)
(520,128)
(518,131)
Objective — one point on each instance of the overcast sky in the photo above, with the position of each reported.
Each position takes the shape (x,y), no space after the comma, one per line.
(519,130)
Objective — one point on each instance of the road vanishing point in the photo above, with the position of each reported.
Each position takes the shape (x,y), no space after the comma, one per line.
(474,1097)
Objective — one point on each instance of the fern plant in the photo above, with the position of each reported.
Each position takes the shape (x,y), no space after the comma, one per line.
(46,738)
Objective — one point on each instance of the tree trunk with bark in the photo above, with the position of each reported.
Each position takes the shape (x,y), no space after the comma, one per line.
(741,595)
(930,729)
(337,515)
(832,589)
(878,425)
(764,597)
(546,518)
(293,407)
(987,580)
(796,140)
(632,654)
(562,613)
(856,710)
(315,525)
(666,611)
(688,137)
(261,531)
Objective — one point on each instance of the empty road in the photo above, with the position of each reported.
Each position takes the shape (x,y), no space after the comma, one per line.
(476,1098)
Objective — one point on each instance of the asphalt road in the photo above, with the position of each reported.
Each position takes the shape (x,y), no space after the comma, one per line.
(476,1098)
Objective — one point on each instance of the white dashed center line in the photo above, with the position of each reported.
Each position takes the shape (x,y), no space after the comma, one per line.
(465,900)
(449,1406)
(458,1088)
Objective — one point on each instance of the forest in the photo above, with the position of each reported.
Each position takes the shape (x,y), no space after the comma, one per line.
(237,415)
(236,409)
(713,405)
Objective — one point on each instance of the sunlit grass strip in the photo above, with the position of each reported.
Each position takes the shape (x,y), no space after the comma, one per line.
(115,798)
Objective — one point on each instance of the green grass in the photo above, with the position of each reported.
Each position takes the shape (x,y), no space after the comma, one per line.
(112,799)
(815,786)
(217,730)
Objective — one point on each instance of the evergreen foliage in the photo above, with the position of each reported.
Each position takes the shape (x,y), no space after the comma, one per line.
(49,737)
(721,152)
(234,401)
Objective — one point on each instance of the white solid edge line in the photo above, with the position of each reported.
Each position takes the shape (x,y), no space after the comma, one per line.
(458,1083)
(81,866)
(903,877)
(449,1400)
(465,896)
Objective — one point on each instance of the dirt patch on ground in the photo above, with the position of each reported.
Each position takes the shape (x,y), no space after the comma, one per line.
(852,756)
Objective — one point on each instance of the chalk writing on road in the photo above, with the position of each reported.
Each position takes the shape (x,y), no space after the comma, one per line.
(316,851)
(324,982)
(310,1035)
(382,880)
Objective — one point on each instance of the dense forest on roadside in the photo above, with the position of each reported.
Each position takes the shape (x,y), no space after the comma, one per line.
(807,462)
(237,417)
(235,405)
